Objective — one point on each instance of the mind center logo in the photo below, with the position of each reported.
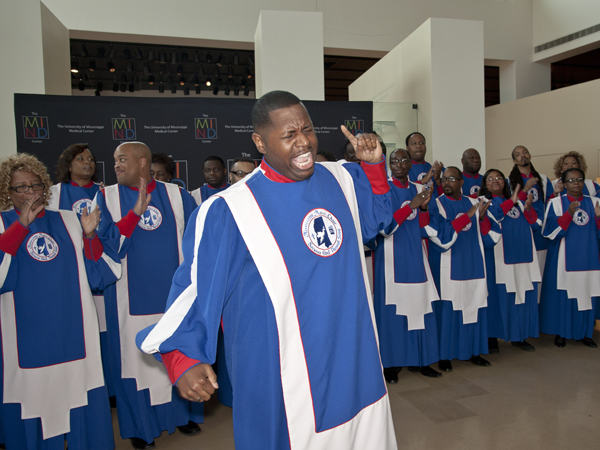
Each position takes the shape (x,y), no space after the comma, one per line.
(322,232)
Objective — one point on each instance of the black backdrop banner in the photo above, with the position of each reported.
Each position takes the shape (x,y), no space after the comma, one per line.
(187,129)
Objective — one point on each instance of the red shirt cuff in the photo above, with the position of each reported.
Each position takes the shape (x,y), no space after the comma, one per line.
(459,223)
(93,248)
(128,223)
(439,189)
(598,222)
(565,220)
(402,214)
(522,196)
(485,226)
(13,237)
(177,364)
(377,176)
(506,206)
(531,216)
(423,219)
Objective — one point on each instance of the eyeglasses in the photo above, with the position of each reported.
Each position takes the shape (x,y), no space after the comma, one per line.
(395,162)
(573,180)
(450,179)
(490,179)
(25,188)
(240,173)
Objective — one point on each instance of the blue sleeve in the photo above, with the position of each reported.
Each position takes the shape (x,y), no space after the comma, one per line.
(108,231)
(106,270)
(189,204)
(446,235)
(493,236)
(199,291)
(375,210)
(551,229)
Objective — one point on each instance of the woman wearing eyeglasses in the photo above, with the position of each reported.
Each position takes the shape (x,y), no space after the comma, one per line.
(568,161)
(51,383)
(512,267)
(76,180)
(572,275)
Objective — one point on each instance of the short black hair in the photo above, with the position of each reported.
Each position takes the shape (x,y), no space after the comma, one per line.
(243,159)
(165,160)
(65,160)
(563,176)
(270,102)
(412,134)
(329,156)
(214,158)
(460,174)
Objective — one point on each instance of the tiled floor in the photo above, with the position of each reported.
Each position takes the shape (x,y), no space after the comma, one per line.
(548,399)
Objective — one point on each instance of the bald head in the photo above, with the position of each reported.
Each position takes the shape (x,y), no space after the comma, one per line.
(132,162)
(471,161)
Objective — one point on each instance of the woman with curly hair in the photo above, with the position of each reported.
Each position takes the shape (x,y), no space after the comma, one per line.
(512,268)
(76,179)
(51,384)
(568,161)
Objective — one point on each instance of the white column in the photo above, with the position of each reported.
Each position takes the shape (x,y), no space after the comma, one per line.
(289,54)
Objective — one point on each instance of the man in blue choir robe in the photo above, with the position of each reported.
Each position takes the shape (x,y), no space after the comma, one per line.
(215,174)
(458,265)
(297,319)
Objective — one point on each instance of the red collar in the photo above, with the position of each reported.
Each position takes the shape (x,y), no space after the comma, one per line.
(272,174)
(41,214)
(476,176)
(415,162)
(527,176)
(149,187)
(210,187)
(89,185)
(399,184)
(453,199)
(572,199)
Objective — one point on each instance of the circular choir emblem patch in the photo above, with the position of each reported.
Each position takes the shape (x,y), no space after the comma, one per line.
(474,190)
(536,194)
(413,214)
(322,232)
(42,247)
(79,206)
(580,217)
(468,226)
(151,219)
(514,213)
(420,177)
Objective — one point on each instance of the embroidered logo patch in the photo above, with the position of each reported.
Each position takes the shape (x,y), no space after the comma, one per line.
(413,214)
(474,190)
(467,226)
(322,232)
(42,247)
(80,205)
(151,219)
(420,177)
(536,194)
(514,213)
(580,217)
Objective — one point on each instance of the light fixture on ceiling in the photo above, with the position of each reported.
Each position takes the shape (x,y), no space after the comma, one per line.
(208,57)
(74,65)
(110,65)
(92,65)
(161,88)
(186,90)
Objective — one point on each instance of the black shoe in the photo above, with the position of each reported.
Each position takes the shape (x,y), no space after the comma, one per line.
(445,366)
(140,444)
(524,345)
(429,372)
(560,342)
(112,401)
(414,369)
(479,361)
(190,429)
(588,342)
(391,374)
(493,345)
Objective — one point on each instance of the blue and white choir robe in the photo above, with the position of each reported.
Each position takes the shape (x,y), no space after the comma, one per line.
(205,191)
(471,184)
(571,284)
(52,384)
(72,197)
(289,283)
(404,286)
(457,262)
(150,252)
(513,273)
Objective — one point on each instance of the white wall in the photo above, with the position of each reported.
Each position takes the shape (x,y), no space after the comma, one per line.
(549,125)
(57,58)
(21,35)
(439,67)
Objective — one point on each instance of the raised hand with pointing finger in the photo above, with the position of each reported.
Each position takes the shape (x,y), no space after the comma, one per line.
(366,146)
